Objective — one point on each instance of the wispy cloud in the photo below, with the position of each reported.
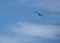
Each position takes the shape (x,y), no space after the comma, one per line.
(15,39)
(46,31)
(25,32)
(52,5)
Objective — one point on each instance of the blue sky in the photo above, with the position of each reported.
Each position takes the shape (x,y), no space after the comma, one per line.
(20,24)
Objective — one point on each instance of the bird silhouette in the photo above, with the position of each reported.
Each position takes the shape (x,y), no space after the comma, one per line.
(38,13)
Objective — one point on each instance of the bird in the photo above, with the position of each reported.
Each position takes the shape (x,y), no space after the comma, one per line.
(38,13)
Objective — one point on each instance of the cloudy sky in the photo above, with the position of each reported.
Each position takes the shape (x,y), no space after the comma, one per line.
(20,24)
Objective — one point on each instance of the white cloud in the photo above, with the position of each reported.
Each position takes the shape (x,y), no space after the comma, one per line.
(15,39)
(25,32)
(52,5)
(6,39)
(45,31)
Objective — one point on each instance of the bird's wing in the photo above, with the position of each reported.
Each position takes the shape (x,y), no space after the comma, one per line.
(36,12)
